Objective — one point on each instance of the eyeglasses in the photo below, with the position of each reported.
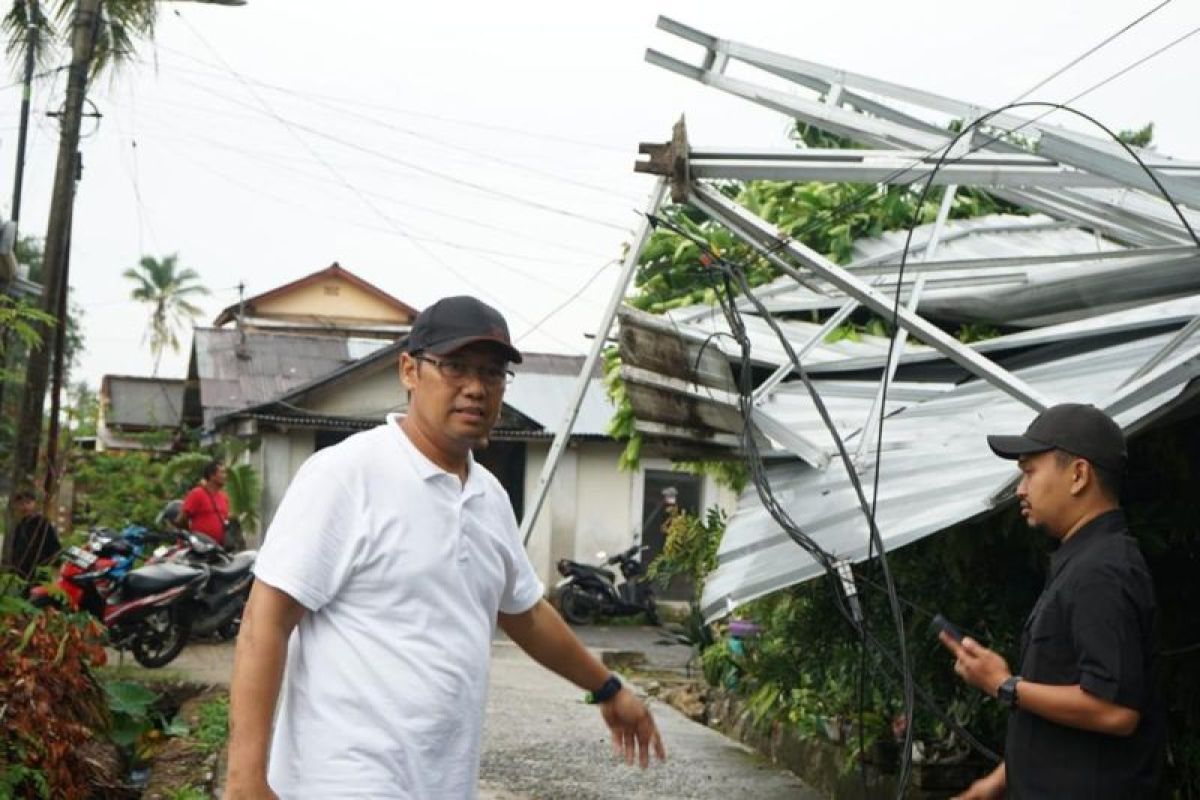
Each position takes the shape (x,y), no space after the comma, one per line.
(460,371)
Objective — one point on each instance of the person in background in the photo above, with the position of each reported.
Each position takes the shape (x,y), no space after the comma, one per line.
(206,507)
(35,541)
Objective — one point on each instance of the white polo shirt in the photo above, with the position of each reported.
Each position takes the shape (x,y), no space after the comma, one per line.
(403,568)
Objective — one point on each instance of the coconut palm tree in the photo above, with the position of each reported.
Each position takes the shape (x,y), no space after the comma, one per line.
(166,288)
(122,24)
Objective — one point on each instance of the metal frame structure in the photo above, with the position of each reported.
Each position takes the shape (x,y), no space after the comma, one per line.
(1104,223)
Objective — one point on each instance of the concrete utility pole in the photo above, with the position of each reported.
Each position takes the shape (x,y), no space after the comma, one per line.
(85,28)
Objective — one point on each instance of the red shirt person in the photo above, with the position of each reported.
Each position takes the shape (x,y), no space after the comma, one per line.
(206,507)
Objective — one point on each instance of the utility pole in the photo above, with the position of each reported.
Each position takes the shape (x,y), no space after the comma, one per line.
(32,13)
(53,470)
(85,28)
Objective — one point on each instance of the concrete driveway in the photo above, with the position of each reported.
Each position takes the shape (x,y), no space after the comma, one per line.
(541,741)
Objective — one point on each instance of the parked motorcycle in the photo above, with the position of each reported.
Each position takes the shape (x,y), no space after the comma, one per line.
(147,611)
(587,592)
(218,606)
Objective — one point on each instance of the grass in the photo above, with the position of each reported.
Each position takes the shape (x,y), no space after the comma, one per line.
(212,730)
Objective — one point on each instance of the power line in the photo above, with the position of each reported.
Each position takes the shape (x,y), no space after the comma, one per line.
(258,156)
(474,124)
(1134,65)
(362,197)
(1081,57)
(574,296)
(488,156)
(445,176)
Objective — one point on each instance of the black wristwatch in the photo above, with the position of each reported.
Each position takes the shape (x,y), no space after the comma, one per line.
(1007,693)
(605,693)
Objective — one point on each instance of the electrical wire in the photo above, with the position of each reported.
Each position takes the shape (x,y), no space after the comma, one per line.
(1128,26)
(419,168)
(574,296)
(475,124)
(175,133)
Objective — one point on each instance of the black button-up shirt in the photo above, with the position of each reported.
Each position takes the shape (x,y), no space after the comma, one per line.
(1094,626)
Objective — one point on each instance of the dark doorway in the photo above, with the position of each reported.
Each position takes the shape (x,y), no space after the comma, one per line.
(506,460)
(662,489)
(325,439)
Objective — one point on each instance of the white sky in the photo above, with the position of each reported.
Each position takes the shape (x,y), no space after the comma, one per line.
(266,184)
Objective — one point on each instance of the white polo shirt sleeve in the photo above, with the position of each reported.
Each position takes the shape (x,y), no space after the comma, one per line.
(522,589)
(311,544)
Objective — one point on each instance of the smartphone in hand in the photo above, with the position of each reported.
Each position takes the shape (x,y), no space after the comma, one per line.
(941,624)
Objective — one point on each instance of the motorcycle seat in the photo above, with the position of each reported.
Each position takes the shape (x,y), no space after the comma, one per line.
(607,573)
(158,578)
(239,564)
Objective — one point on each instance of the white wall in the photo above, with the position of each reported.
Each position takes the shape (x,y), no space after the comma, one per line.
(587,508)
(278,459)
(371,396)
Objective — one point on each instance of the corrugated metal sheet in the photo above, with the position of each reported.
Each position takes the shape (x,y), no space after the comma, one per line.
(269,365)
(936,470)
(544,397)
(1009,294)
(143,402)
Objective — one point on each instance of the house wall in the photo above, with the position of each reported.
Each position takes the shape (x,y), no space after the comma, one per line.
(372,396)
(278,458)
(332,298)
(587,508)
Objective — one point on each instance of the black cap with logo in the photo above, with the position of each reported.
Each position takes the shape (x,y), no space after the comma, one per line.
(455,322)
(1078,429)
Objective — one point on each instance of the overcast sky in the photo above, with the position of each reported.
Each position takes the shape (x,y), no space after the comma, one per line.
(487,148)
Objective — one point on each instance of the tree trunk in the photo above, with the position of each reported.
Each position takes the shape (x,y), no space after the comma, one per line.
(29,429)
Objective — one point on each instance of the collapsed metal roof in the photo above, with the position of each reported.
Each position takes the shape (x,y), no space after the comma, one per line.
(1099,290)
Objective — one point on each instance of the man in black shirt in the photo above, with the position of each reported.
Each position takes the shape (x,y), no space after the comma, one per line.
(35,542)
(1084,719)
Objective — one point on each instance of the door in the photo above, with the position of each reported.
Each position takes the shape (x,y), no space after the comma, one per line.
(662,489)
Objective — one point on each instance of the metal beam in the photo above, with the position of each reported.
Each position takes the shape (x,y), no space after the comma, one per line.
(1183,367)
(860,128)
(787,367)
(1162,355)
(899,169)
(771,241)
(1170,253)
(871,427)
(1181,182)
(563,434)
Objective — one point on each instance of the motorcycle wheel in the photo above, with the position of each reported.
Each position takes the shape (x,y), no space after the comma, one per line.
(652,612)
(160,638)
(230,629)
(577,606)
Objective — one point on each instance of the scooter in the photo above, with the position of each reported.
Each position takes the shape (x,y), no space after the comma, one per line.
(218,607)
(146,611)
(587,592)
(221,602)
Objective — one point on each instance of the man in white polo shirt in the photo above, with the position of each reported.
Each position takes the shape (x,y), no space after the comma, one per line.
(385,571)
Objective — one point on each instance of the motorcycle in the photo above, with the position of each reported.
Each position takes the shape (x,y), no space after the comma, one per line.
(146,611)
(587,591)
(217,611)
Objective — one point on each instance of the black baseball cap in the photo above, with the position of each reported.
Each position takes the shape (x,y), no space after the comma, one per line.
(1078,429)
(455,322)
